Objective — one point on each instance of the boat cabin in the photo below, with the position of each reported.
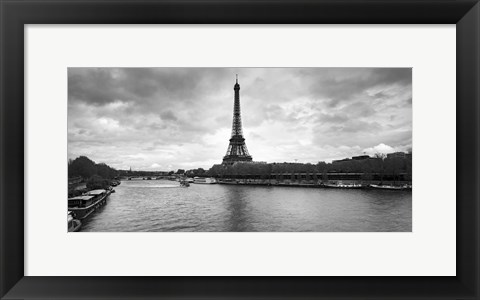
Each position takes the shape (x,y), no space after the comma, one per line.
(95,192)
(81,201)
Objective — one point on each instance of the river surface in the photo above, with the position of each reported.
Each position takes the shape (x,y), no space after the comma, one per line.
(164,206)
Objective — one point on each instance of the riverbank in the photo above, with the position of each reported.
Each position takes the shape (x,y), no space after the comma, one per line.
(350,184)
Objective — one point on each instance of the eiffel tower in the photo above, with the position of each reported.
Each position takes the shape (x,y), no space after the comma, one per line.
(237,149)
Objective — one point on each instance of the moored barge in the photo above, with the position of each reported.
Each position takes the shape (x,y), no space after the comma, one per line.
(391,187)
(341,185)
(83,206)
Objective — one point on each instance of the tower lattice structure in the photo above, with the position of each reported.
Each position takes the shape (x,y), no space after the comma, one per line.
(237,149)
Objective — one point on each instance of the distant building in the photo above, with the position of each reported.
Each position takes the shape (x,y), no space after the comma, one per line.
(397,155)
(340,160)
(360,157)
(250,162)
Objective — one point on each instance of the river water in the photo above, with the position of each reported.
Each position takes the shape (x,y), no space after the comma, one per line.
(164,206)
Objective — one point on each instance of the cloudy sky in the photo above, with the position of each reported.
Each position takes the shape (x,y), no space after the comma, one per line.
(170,118)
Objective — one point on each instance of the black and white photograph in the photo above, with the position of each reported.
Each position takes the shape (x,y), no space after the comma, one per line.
(239,149)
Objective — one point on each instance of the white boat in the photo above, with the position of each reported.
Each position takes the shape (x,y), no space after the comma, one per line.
(388,187)
(340,185)
(204,180)
(184,183)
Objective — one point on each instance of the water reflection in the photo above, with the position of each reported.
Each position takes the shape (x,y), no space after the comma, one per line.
(238,212)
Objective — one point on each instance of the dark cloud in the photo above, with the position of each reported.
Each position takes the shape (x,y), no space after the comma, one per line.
(340,85)
(168,116)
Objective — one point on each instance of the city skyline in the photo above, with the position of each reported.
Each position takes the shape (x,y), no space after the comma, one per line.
(180,118)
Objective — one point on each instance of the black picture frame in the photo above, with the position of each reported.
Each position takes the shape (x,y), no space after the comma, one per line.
(14,14)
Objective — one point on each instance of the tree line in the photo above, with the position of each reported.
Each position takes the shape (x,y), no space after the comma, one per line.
(85,167)
(96,176)
(381,165)
(391,166)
